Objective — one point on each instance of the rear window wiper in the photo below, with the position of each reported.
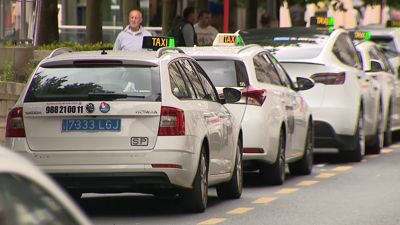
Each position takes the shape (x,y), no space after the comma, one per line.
(112,95)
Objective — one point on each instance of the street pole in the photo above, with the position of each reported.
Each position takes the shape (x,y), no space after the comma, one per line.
(226,15)
(2,20)
(22,32)
(38,12)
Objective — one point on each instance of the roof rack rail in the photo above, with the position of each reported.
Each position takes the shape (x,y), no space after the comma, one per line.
(246,47)
(162,50)
(59,51)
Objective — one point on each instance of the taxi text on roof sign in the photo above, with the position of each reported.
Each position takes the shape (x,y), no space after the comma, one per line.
(360,35)
(154,43)
(393,23)
(228,40)
(322,21)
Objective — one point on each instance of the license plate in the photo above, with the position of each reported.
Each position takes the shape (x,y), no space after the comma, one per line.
(91,125)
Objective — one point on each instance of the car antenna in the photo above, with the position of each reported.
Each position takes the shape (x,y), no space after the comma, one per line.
(104,52)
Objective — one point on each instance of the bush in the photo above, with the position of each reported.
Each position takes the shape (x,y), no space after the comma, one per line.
(77,46)
(8,73)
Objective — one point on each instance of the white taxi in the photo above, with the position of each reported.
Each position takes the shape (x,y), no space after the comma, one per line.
(28,196)
(377,65)
(130,121)
(277,123)
(344,102)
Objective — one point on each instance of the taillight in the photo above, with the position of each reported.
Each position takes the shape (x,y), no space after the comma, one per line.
(172,122)
(172,166)
(255,96)
(253,150)
(329,78)
(15,123)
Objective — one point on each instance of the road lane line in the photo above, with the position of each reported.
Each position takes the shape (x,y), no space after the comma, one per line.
(287,191)
(239,210)
(212,221)
(320,165)
(370,156)
(307,183)
(264,200)
(342,168)
(355,163)
(386,150)
(395,146)
(325,175)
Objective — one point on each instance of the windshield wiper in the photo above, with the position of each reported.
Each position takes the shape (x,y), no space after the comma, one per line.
(112,95)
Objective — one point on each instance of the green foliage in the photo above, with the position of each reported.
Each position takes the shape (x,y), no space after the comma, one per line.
(8,73)
(77,46)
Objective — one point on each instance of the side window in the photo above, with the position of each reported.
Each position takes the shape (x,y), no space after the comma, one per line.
(265,71)
(209,88)
(178,85)
(384,59)
(192,77)
(373,54)
(241,74)
(29,203)
(282,73)
(345,51)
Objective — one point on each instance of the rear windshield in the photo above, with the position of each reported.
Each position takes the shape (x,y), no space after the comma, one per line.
(88,83)
(225,73)
(387,45)
(297,51)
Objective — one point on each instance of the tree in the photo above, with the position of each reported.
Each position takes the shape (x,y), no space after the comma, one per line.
(48,30)
(201,4)
(127,7)
(168,15)
(94,21)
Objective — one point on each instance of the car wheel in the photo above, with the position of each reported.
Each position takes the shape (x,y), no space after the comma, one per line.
(195,199)
(387,135)
(233,188)
(356,155)
(305,164)
(378,138)
(274,174)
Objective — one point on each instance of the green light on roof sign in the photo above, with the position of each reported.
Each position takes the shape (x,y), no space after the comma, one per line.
(171,43)
(331,21)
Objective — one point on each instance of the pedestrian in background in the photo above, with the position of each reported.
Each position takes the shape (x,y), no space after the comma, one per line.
(183,32)
(265,20)
(204,31)
(131,38)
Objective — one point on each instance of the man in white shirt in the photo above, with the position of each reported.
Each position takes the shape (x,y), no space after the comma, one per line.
(131,38)
(205,32)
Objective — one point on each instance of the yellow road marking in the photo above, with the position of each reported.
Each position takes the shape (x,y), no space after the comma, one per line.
(395,146)
(264,200)
(370,156)
(386,150)
(325,175)
(212,221)
(341,168)
(354,163)
(239,210)
(307,183)
(287,191)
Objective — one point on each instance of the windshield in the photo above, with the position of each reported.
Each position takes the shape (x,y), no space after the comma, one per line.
(225,73)
(121,83)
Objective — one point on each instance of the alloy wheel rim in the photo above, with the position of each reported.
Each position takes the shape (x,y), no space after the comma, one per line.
(239,169)
(203,175)
(380,130)
(361,134)
(281,156)
(309,148)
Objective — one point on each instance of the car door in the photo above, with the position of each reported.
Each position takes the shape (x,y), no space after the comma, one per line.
(209,116)
(296,108)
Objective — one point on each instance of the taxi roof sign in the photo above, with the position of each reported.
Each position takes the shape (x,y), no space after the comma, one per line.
(393,23)
(320,21)
(225,39)
(360,35)
(154,42)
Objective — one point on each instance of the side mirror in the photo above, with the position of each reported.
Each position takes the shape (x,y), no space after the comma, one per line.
(232,95)
(304,83)
(376,66)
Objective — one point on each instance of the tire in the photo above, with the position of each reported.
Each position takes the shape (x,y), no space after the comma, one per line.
(274,174)
(305,164)
(194,200)
(233,188)
(387,134)
(356,155)
(378,137)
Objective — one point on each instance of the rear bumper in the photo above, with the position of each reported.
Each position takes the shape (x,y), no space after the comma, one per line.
(325,137)
(121,168)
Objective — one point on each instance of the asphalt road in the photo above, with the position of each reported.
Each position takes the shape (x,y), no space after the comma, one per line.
(335,193)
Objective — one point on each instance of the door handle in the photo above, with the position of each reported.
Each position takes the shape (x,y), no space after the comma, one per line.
(207,115)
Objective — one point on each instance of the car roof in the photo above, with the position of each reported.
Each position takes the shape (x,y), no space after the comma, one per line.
(226,52)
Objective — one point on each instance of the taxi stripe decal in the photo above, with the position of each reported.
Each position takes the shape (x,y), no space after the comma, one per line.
(307,183)
(239,210)
(325,175)
(264,200)
(342,168)
(212,221)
